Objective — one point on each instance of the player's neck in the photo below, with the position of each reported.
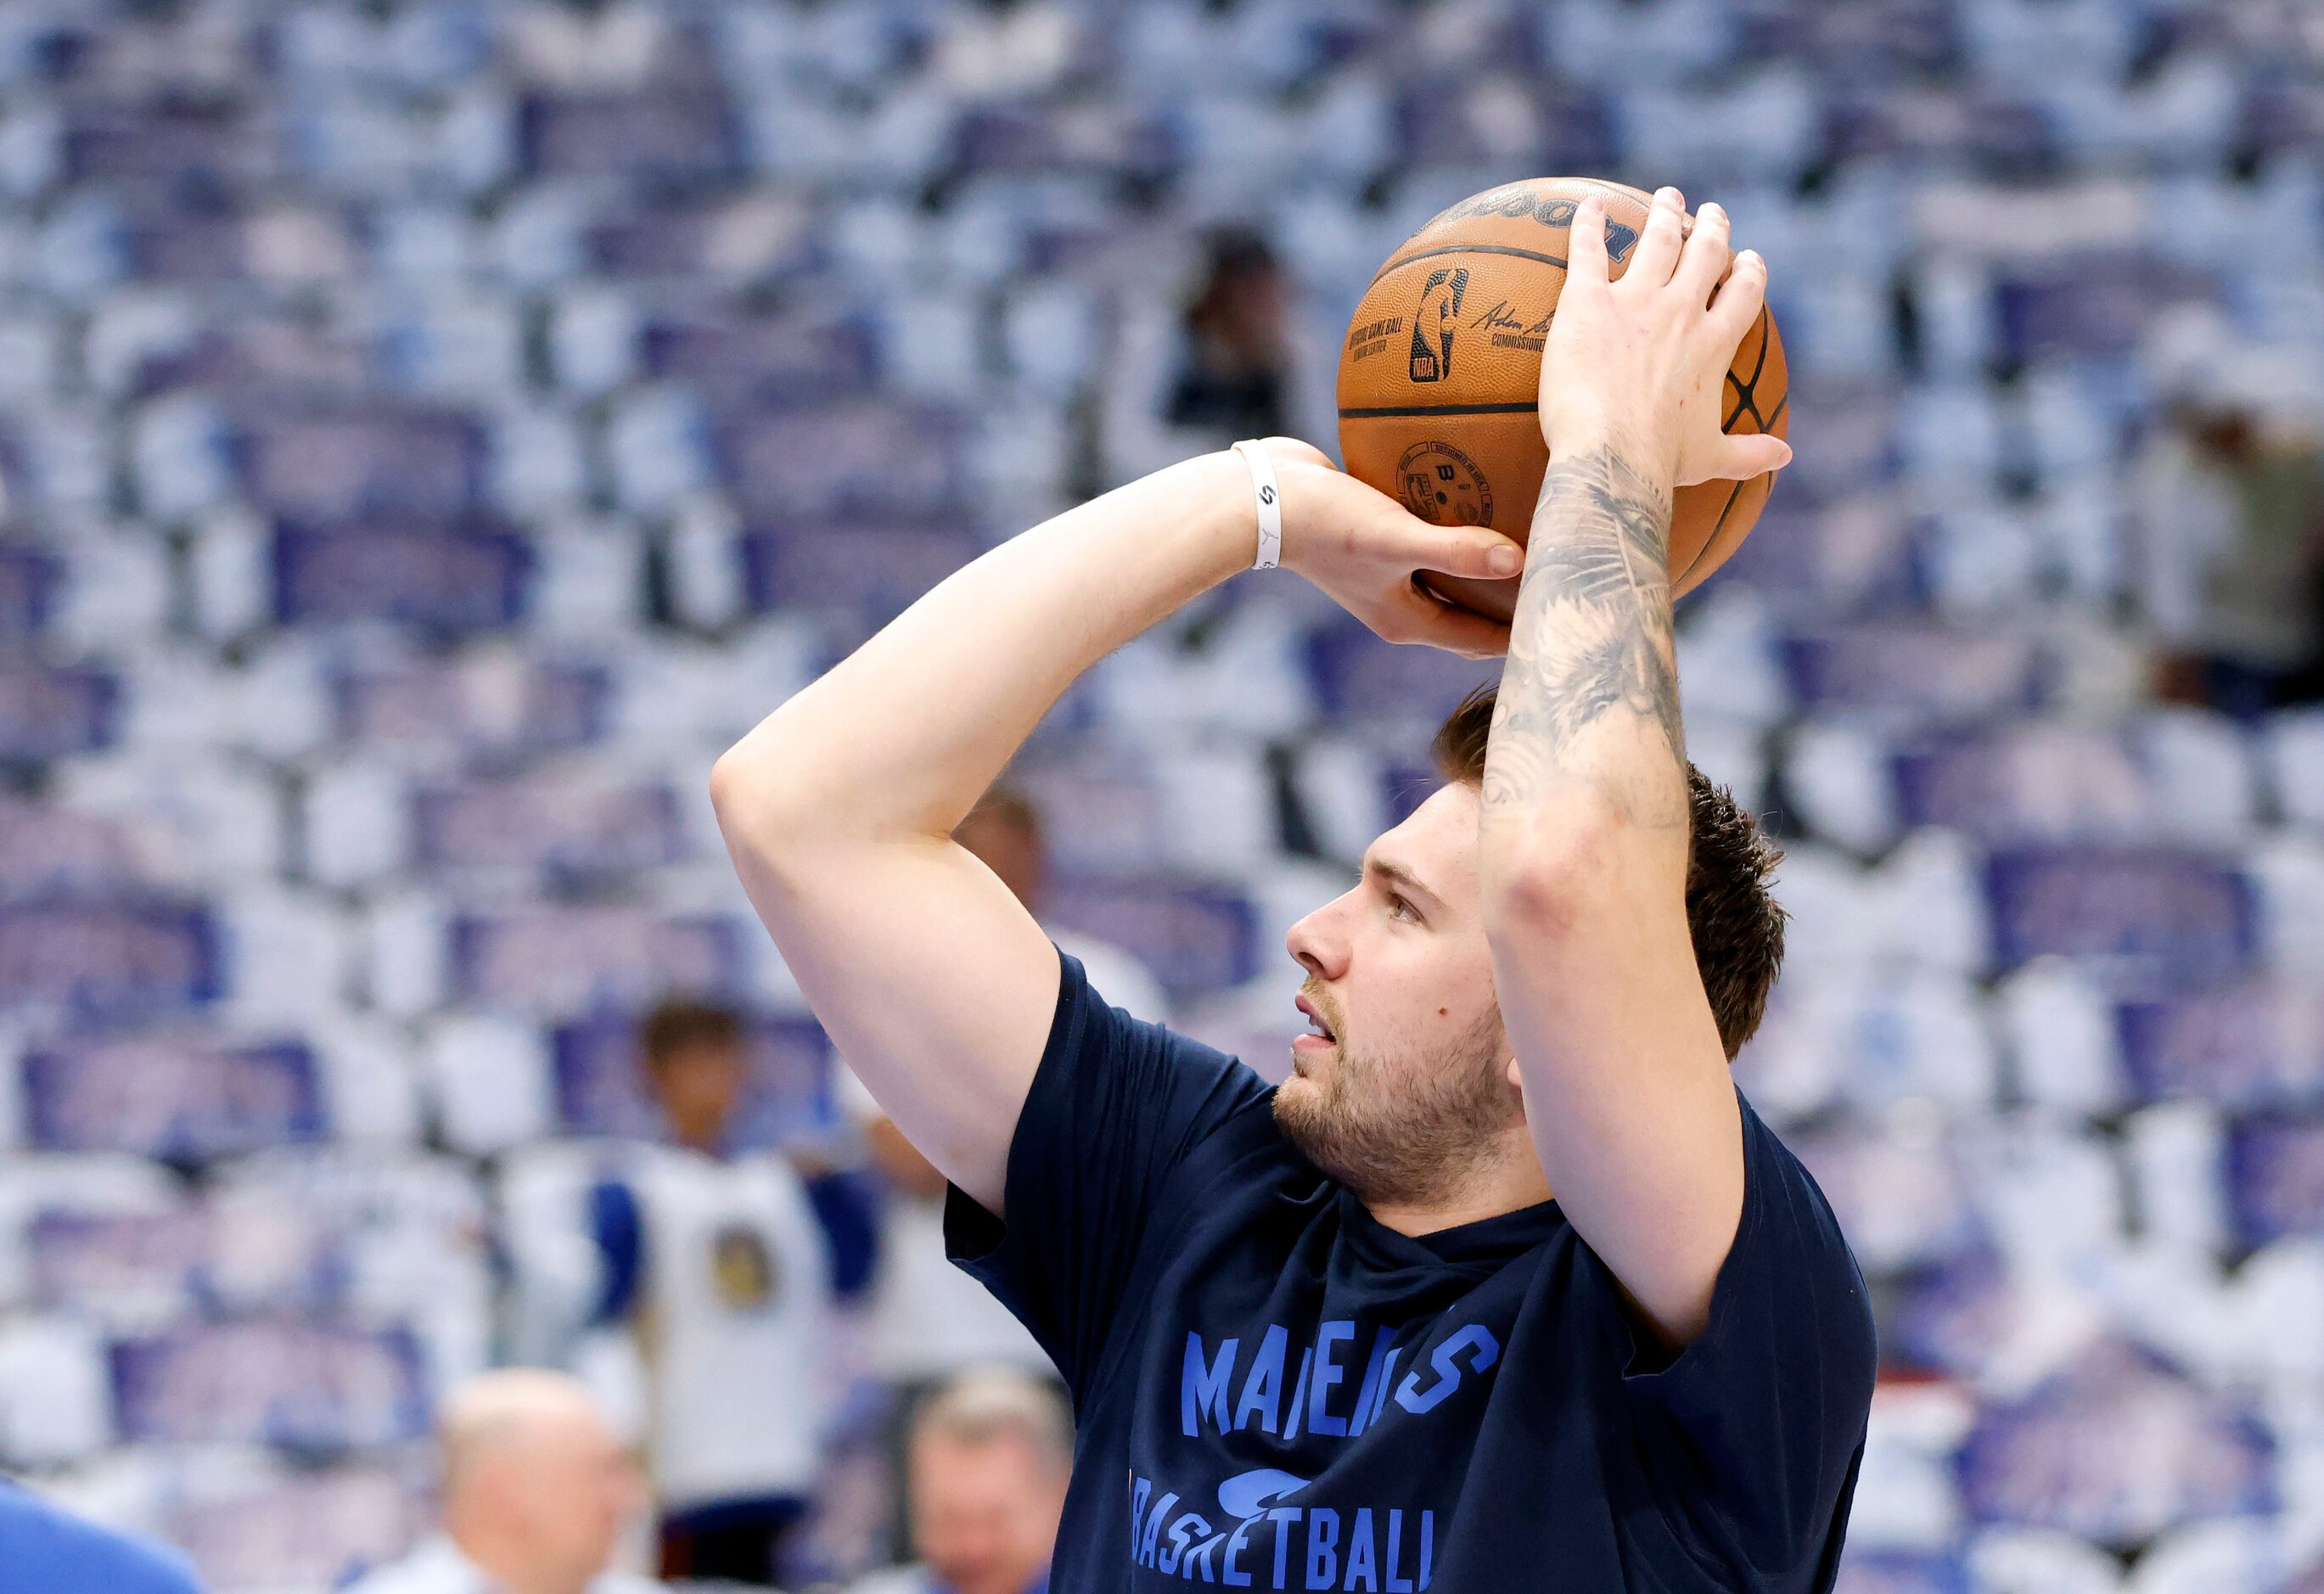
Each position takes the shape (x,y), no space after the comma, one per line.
(1505,1184)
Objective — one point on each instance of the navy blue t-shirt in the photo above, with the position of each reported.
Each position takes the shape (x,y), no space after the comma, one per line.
(1273,1390)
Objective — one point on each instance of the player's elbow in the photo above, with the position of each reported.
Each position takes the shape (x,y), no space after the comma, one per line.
(731,779)
(1541,898)
(754,809)
(732,788)
(1561,881)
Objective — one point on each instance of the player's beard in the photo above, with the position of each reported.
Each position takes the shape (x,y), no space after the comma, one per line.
(1408,1130)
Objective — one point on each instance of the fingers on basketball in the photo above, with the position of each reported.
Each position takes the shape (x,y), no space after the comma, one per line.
(1585,248)
(1706,257)
(1740,299)
(1430,619)
(1657,253)
(1471,551)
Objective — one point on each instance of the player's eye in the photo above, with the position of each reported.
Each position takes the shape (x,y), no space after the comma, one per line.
(1398,904)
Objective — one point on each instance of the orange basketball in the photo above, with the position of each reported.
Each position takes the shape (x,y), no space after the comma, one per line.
(1440,376)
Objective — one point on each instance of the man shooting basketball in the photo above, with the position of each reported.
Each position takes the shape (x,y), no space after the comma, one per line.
(1506,1288)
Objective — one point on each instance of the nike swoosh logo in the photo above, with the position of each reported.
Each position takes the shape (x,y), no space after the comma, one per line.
(1247,1493)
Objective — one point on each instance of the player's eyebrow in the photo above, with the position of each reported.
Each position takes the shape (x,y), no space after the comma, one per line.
(1397,875)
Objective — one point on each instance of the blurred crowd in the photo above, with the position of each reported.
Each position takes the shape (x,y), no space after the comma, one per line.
(431,432)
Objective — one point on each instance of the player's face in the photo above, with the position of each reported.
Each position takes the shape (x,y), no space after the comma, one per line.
(1412,1087)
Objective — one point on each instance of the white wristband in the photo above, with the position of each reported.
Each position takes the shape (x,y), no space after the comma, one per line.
(1271,504)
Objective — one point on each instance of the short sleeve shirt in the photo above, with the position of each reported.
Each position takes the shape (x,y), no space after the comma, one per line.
(1273,1390)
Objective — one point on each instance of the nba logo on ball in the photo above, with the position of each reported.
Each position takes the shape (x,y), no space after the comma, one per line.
(1442,294)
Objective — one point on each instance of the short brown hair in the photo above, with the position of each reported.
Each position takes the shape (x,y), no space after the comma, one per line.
(682,1022)
(1734,919)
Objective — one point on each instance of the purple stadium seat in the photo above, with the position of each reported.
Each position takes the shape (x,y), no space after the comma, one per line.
(309,1386)
(184,1101)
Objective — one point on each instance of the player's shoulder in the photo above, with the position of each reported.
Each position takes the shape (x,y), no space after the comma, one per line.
(1119,977)
(1766,1151)
(1171,1090)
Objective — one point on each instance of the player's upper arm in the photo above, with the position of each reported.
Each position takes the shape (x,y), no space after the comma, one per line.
(934,984)
(1628,1091)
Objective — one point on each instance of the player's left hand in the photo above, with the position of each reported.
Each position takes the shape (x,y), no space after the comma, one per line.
(1640,363)
(1361,546)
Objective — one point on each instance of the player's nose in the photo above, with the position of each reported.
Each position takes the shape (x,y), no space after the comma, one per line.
(1315,947)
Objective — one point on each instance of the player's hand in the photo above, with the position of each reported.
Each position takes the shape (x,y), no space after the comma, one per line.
(1641,363)
(1361,546)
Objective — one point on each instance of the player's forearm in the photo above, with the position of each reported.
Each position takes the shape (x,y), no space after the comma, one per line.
(903,736)
(1586,748)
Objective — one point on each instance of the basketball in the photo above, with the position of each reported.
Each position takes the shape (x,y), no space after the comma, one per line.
(1440,378)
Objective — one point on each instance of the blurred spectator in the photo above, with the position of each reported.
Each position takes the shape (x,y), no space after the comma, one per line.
(46,1549)
(2234,517)
(1005,830)
(989,1458)
(724,1265)
(536,1493)
(929,1319)
(1235,365)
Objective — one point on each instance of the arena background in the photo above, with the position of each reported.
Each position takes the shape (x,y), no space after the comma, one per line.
(432,431)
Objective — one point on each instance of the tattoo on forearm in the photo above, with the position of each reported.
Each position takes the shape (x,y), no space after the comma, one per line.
(1591,647)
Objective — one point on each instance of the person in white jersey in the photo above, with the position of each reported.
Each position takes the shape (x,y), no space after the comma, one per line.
(930,1320)
(724,1265)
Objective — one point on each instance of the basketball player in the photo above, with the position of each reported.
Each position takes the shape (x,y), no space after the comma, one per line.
(1506,1288)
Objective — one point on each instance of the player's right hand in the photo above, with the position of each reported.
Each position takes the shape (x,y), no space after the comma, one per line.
(1361,546)
(1640,363)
